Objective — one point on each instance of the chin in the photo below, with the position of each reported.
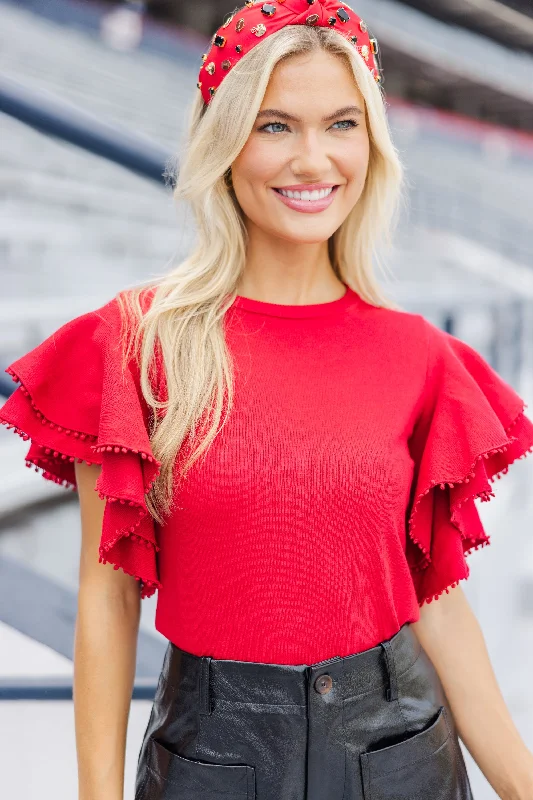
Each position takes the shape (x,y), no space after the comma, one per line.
(302,240)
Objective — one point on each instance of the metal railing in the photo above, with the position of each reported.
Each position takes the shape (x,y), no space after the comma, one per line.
(61,689)
(54,117)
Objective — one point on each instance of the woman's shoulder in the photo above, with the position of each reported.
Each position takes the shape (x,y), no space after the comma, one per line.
(435,347)
(79,400)
(395,319)
(80,375)
(126,307)
(75,352)
(396,332)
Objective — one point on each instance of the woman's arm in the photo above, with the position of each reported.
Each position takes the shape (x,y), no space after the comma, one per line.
(105,650)
(451,636)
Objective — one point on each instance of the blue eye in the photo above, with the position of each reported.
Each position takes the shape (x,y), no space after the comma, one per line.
(352,124)
(269,125)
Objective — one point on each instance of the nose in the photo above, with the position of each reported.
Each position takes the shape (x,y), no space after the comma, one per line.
(310,158)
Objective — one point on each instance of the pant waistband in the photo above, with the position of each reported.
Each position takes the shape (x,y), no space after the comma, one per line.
(377,668)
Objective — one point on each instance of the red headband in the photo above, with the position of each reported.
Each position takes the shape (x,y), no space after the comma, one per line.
(245,28)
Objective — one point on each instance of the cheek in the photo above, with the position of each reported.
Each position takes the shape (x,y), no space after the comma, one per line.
(257,166)
(354,172)
(352,162)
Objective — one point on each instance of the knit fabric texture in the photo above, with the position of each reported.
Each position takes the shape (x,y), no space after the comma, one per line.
(337,499)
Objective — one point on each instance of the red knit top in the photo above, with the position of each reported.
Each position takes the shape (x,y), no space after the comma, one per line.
(337,498)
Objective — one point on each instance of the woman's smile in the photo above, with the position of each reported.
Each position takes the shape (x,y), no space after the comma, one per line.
(310,198)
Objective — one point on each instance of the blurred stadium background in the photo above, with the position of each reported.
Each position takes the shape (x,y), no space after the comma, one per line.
(94,98)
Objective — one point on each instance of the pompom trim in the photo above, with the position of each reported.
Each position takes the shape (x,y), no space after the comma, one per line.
(484,495)
(430,598)
(36,463)
(44,420)
(117,448)
(135,507)
(138,513)
(128,530)
(147,587)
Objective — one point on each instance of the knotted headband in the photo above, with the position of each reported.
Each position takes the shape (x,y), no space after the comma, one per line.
(245,28)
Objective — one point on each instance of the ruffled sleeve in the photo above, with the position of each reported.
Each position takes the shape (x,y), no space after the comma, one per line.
(470,428)
(75,403)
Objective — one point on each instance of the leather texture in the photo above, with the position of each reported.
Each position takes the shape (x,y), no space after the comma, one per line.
(375,725)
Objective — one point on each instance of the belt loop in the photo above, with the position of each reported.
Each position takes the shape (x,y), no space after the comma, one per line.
(392,689)
(205,700)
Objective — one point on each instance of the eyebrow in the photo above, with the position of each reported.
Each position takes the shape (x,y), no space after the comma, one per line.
(274,112)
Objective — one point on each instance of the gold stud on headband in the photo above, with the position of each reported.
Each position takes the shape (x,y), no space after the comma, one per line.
(243,28)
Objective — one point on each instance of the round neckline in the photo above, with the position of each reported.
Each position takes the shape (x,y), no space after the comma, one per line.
(300,310)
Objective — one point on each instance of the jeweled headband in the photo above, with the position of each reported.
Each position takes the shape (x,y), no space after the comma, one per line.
(245,28)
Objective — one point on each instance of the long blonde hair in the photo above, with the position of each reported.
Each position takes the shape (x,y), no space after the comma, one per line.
(184,321)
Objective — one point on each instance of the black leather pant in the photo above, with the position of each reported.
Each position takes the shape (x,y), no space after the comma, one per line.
(375,725)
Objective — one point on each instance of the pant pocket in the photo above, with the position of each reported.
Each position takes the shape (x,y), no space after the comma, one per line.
(423,766)
(174,777)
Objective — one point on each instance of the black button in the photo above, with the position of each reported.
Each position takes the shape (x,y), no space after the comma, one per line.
(323,684)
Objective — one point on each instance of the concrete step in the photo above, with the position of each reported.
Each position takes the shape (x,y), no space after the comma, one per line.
(139,90)
(51,194)
(109,236)
(27,151)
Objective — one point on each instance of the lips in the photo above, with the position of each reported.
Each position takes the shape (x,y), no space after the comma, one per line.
(308,199)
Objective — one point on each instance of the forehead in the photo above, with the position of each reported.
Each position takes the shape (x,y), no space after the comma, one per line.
(312,81)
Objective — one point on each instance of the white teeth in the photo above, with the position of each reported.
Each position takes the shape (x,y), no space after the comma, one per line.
(316,194)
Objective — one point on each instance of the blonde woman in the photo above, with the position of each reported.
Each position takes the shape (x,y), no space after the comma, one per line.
(289,458)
